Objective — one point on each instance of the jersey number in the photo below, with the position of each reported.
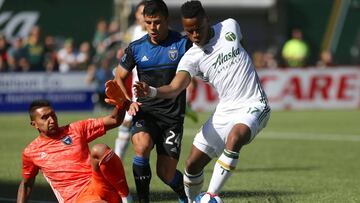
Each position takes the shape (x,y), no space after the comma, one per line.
(169,139)
(252,110)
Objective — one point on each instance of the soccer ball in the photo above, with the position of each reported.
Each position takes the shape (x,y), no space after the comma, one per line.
(205,197)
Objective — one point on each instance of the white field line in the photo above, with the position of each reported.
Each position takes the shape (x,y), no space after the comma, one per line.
(294,136)
(30,201)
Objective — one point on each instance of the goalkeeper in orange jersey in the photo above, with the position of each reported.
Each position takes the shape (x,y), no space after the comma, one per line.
(75,173)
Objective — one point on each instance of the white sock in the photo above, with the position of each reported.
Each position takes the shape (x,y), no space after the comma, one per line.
(122,141)
(193,184)
(223,170)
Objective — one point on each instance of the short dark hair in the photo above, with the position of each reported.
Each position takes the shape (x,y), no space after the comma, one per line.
(153,7)
(37,104)
(191,9)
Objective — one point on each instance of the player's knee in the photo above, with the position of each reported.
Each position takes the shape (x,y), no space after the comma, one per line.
(239,135)
(142,150)
(98,151)
(142,144)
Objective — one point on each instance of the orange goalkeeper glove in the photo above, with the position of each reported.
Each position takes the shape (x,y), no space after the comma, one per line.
(115,94)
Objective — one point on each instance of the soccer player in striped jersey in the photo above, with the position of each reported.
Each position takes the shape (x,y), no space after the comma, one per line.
(218,57)
(74,172)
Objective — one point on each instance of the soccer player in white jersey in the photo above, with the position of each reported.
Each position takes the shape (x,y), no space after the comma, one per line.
(218,57)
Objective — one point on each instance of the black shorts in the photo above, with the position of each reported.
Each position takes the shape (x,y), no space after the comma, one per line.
(167,137)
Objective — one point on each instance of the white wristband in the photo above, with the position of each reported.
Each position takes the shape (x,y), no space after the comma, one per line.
(152,92)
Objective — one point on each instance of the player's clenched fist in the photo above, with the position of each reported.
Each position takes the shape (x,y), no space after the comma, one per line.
(114,93)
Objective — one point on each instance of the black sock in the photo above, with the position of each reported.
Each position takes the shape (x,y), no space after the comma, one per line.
(142,177)
(177,184)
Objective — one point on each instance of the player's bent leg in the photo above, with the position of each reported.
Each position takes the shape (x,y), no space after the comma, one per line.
(110,167)
(239,136)
(142,144)
(98,191)
(196,161)
(167,172)
(194,176)
(89,194)
(166,167)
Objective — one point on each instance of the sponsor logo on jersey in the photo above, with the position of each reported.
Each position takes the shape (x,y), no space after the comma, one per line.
(222,58)
(230,36)
(173,54)
(144,58)
(67,140)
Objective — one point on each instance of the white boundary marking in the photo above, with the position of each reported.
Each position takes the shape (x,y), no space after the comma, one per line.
(191,132)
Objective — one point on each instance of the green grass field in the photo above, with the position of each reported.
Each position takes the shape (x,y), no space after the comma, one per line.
(301,156)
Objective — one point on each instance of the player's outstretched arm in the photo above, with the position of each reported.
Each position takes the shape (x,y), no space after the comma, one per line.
(181,80)
(25,189)
(116,97)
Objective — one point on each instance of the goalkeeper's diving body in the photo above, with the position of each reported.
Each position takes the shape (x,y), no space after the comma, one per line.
(75,173)
(219,58)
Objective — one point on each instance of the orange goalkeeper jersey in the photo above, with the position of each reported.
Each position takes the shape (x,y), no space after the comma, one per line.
(64,159)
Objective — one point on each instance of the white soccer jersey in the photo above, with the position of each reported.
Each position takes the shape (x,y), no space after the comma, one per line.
(225,64)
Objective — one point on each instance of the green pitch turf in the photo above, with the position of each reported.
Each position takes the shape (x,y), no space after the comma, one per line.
(301,156)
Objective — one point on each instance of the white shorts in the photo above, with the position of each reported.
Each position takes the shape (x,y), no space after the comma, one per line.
(213,135)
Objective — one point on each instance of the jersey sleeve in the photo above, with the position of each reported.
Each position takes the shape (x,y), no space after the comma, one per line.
(90,129)
(29,169)
(235,26)
(189,64)
(128,61)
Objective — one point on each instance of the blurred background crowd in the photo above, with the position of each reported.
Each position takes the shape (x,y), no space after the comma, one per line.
(49,37)
(278,34)
(36,52)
